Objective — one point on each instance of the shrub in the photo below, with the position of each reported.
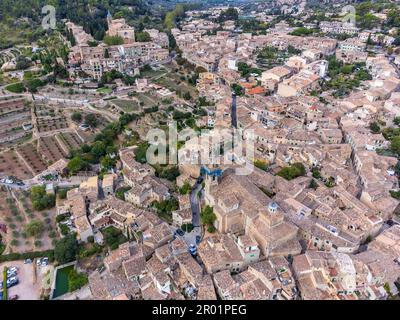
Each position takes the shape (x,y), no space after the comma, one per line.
(261,165)
(5,293)
(16,88)
(185,189)
(316,173)
(62,217)
(27,255)
(113,237)
(52,234)
(187,227)
(76,280)
(62,193)
(374,127)
(63,229)
(293,171)
(90,239)
(313,184)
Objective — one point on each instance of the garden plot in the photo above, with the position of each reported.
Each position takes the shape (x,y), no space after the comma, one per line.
(70,140)
(173,82)
(127,105)
(18,213)
(29,153)
(11,165)
(49,119)
(50,149)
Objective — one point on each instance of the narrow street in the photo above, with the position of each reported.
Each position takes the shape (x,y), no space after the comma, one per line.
(190,237)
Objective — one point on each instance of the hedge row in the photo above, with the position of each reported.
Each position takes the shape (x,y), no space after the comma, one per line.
(27,255)
(5,292)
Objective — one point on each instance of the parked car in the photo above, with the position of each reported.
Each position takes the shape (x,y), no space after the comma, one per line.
(180,232)
(12,282)
(45,261)
(14,297)
(27,261)
(192,249)
(11,274)
(12,269)
(198,239)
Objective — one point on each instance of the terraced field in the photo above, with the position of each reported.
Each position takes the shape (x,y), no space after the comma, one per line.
(33,159)
(70,140)
(50,149)
(11,165)
(127,105)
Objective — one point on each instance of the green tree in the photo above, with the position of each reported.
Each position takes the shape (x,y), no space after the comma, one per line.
(313,184)
(77,164)
(316,173)
(237,89)
(142,36)
(113,237)
(40,199)
(23,62)
(187,96)
(229,14)
(34,228)
(208,216)
(107,163)
(98,149)
(65,249)
(395,145)
(374,127)
(113,40)
(91,120)
(76,116)
(185,189)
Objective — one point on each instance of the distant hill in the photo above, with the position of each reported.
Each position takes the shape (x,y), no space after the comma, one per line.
(91,14)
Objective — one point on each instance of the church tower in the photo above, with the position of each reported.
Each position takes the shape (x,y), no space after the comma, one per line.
(109,19)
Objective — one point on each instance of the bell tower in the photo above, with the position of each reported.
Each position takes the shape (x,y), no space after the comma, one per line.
(109,19)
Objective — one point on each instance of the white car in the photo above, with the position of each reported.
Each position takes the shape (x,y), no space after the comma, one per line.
(13,279)
(11,273)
